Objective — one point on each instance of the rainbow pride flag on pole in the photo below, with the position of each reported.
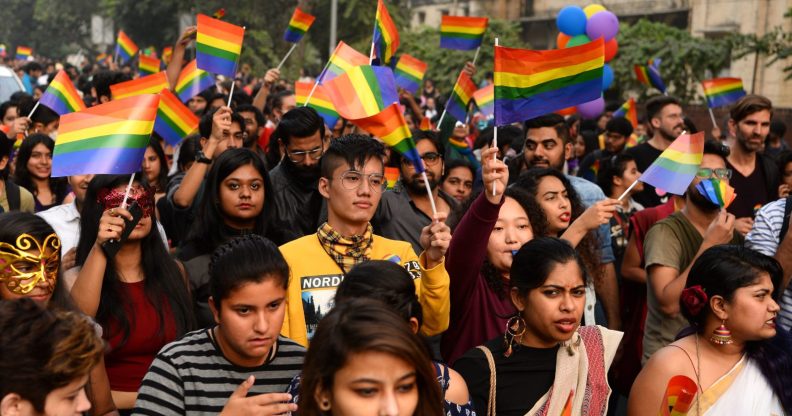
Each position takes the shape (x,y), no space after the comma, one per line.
(110,138)
(392,176)
(462,33)
(192,81)
(174,120)
(676,167)
(461,95)
(649,75)
(722,91)
(61,96)
(218,45)
(298,25)
(167,54)
(485,100)
(342,60)
(386,36)
(363,91)
(151,84)
(391,127)
(532,83)
(409,73)
(125,48)
(629,111)
(320,101)
(23,53)
(148,65)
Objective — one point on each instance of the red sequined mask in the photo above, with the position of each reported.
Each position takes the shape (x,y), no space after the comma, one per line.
(143,195)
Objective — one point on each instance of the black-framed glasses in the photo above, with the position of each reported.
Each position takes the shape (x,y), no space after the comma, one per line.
(352,179)
(299,156)
(720,173)
(429,158)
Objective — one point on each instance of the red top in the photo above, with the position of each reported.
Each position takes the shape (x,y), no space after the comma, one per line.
(127,365)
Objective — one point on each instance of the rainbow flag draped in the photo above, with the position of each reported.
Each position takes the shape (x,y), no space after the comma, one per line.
(676,167)
(391,127)
(61,96)
(485,100)
(320,101)
(218,45)
(629,111)
(298,25)
(363,91)
(125,48)
(391,176)
(722,91)
(409,73)
(457,104)
(23,52)
(167,54)
(463,33)
(342,60)
(174,120)
(151,84)
(649,75)
(110,138)
(532,83)
(192,81)
(386,36)
(148,65)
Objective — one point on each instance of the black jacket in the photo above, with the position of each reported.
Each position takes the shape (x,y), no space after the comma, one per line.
(298,204)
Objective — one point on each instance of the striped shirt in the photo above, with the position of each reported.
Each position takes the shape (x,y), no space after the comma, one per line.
(192,376)
(765,236)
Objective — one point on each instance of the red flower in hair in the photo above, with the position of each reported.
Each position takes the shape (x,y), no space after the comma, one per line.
(694,299)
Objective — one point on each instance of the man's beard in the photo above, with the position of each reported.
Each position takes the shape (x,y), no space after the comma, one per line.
(700,201)
(416,184)
(559,166)
(303,173)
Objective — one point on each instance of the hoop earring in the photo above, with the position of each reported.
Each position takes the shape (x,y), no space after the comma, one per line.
(324,406)
(722,335)
(511,334)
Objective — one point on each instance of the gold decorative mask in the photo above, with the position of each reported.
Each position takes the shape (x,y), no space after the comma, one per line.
(21,270)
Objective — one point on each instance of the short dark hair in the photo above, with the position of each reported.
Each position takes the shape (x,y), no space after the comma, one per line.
(419,135)
(458,163)
(276,99)
(44,115)
(748,105)
(712,147)
(508,135)
(298,122)
(549,120)
(205,125)
(245,259)
(187,151)
(102,81)
(656,104)
(619,125)
(537,258)
(352,149)
(250,108)
(611,167)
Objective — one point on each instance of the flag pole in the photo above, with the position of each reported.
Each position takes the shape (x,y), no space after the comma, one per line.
(429,192)
(475,57)
(34,109)
(371,54)
(495,144)
(128,190)
(287,56)
(628,189)
(319,79)
(712,116)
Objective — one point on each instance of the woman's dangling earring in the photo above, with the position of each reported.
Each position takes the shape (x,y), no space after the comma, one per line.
(512,333)
(722,335)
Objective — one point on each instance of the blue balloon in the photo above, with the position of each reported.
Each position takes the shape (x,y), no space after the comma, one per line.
(607,77)
(571,20)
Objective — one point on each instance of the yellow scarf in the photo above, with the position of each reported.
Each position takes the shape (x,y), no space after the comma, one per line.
(346,251)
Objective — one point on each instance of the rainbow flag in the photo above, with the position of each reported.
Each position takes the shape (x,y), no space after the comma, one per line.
(342,60)
(462,33)
(174,120)
(386,36)
(460,145)
(2,50)
(148,65)
(531,83)
(104,58)
(629,111)
(298,25)
(485,100)
(461,95)
(426,124)
(363,91)
(319,101)
(61,96)
(678,397)
(716,191)
(150,84)
(409,73)
(167,54)
(649,75)
(192,81)
(109,138)
(125,48)
(23,53)
(219,13)
(676,167)
(722,91)
(391,176)
(391,127)
(218,45)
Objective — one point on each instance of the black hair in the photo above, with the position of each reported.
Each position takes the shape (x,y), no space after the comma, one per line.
(240,98)
(22,176)
(207,233)
(33,66)
(619,125)
(102,81)
(385,281)
(44,115)
(419,135)
(352,149)
(536,259)
(777,127)
(205,124)
(275,100)
(263,261)
(553,120)
(611,167)
(188,150)
(4,108)
(297,122)
(163,278)
(713,147)
(250,108)
(5,151)
(783,159)
(690,127)
(508,135)
(656,104)
(162,181)
(458,163)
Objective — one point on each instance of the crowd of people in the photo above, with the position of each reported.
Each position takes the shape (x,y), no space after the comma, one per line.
(266,265)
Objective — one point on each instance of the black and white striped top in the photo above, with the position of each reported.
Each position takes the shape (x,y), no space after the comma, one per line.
(191,376)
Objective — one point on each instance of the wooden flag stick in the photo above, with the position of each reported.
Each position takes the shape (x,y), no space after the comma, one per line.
(475,57)
(627,191)
(287,56)
(317,81)
(429,192)
(494,142)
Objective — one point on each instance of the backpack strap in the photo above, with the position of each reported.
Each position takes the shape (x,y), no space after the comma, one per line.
(13,195)
(491,363)
(785,223)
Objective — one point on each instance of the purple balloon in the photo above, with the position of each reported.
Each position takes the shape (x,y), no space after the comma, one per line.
(591,109)
(603,24)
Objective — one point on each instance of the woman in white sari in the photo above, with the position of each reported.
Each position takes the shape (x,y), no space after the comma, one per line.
(740,363)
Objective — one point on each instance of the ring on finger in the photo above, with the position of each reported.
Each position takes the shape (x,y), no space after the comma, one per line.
(112,212)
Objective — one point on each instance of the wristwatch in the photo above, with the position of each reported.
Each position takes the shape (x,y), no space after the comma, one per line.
(200,157)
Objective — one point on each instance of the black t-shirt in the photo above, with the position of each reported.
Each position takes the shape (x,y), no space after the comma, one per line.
(521,379)
(752,191)
(645,155)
